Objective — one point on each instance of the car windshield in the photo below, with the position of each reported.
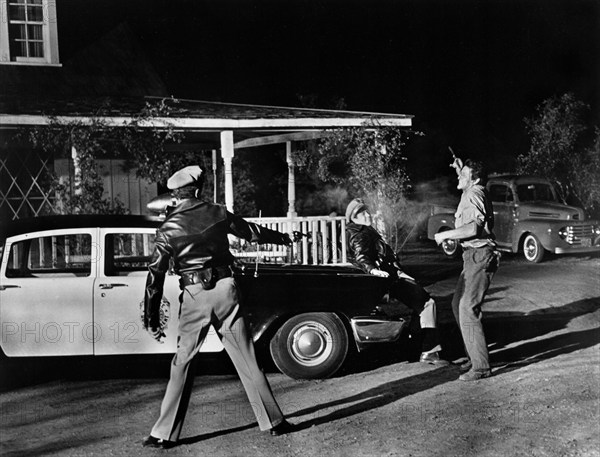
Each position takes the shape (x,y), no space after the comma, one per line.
(535,192)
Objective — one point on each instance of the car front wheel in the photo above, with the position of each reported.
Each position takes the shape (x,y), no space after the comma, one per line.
(310,346)
(533,249)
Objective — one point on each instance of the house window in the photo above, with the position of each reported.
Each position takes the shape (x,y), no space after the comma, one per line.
(28,33)
(25,28)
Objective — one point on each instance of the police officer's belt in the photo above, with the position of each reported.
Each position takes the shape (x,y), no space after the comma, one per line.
(208,277)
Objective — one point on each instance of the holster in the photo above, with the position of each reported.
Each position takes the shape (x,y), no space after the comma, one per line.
(493,263)
(208,277)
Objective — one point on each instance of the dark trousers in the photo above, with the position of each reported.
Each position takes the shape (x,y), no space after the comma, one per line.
(479,267)
(418,299)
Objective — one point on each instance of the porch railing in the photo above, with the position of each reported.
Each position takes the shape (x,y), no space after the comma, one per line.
(323,241)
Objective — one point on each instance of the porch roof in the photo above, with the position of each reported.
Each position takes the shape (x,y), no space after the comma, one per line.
(190,115)
(205,123)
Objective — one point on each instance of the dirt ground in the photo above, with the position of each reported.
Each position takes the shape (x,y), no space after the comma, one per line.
(542,324)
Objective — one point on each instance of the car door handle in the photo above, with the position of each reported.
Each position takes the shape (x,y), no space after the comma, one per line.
(9,286)
(110,286)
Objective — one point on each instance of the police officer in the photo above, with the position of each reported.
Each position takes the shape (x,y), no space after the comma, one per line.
(194,238)
(474,222)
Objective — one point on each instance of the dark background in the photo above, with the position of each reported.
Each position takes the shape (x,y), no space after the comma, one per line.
(470,71)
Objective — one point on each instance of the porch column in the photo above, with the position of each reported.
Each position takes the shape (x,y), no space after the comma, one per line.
(227,155)
(291,180)
(76,171)
(214,172)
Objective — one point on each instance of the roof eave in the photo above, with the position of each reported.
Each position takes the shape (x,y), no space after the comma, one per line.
(188,123)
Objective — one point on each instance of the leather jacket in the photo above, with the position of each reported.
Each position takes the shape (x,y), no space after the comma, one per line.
(194,236)
(367,249)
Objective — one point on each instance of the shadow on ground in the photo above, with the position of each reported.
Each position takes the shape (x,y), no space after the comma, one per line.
(22,372)
(502,330)
(517,340)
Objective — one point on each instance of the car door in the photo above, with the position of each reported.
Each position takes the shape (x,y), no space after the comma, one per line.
(119,294)
(504,210)
(46,283)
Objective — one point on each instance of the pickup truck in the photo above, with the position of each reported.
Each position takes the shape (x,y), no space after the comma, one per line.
(529,218)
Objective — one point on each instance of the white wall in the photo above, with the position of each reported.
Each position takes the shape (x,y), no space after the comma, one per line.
(134,192)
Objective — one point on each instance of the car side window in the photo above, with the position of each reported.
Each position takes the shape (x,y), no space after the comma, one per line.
(128,253)
(50,257)
(535,192)
(509,195)
(500,193)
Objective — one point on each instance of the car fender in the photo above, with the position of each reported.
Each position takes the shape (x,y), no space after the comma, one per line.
(439,221)
(265,327)
(541,229)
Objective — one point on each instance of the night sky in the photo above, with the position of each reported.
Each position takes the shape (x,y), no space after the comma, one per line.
(470,71)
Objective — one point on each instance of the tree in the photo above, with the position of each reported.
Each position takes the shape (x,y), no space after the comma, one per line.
(557,151)
(83,142)
(587,186)
(87,141)
(369,162)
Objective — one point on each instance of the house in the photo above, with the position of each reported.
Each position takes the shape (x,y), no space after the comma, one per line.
(33,77)
(112,70)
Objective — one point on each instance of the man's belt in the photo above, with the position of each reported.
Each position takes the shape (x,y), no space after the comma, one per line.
(487,245)
(208,277)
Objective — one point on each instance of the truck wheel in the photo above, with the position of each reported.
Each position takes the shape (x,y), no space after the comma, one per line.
(310,346)
(533,249)
(450,248)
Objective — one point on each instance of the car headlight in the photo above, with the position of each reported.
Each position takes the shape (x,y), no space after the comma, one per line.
(596,230)
(563,233)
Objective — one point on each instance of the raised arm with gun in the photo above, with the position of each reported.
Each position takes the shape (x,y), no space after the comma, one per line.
(474,223)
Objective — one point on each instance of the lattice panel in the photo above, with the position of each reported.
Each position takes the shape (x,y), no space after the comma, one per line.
(24,183)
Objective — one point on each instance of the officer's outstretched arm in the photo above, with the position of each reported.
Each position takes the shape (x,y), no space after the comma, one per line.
(249,231)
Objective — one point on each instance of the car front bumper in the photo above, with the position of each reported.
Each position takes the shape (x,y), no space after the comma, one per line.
(577,249)
(372,329)
(577,244)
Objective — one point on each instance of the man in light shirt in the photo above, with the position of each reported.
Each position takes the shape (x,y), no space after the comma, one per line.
(474,223)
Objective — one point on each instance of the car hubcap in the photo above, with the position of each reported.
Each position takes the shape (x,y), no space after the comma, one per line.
(530,249)
(449,246)
(311,344)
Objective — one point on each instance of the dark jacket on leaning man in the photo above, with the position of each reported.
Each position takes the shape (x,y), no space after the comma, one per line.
(194,235)
(367,250)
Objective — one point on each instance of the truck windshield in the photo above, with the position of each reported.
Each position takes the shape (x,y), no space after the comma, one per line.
(535,192)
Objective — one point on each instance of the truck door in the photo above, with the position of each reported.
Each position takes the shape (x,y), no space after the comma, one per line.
(504,212)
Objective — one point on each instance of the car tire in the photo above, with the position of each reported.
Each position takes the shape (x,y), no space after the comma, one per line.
(533,251)
(450,248)
(310,346)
